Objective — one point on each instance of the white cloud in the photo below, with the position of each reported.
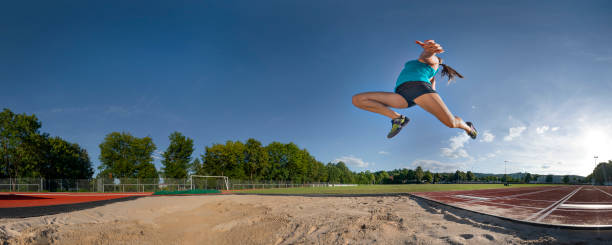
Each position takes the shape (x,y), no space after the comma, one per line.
(541,130)
(436,166)
(554,129)
(487,136)
(514,132)
(383,152)
(353,161)
(455,149)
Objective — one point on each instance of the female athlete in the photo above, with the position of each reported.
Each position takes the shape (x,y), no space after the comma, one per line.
(416,84)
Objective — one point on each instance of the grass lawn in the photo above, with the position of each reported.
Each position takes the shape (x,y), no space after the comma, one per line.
(374,189)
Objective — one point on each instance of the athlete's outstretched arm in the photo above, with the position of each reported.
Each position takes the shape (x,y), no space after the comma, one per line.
(430,49)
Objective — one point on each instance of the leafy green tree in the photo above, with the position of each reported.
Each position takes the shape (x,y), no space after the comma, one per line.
(296,162)
(256,159)
(20,141)
(226,160)
(178,156)
(470,176)
(126,156)
(428,176)
(459,176)
(527,178)
(371,177)
(437,177)
(334,173)
(65,160)
(602,173)
(418,174)
(549,178)
(346,176)
(566,179)
(381,177)
(196,167)
(277,157)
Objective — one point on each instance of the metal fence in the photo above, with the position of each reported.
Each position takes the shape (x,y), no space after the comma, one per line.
(140,185)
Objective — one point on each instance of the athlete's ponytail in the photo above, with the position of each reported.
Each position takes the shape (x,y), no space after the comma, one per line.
(449,72)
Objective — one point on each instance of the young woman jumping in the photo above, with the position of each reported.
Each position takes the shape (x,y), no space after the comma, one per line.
(416,85)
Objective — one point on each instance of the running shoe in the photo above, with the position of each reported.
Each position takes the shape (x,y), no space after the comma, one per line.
(474,133)
(397,125)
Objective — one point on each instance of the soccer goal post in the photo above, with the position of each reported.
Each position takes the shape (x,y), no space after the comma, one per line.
(209,182)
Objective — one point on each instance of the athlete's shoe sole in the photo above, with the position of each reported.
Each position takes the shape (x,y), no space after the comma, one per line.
(474,133)
(396,130)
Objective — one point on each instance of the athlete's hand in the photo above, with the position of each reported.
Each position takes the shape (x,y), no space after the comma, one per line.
(430,46)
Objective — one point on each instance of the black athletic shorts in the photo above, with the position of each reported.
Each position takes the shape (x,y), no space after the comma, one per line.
(412,90)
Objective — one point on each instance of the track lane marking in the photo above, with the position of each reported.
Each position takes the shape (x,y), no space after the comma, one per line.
(602,191)
(473,197)
(586,206)
(546,208)
(503,204)
(557,205)
(517,195)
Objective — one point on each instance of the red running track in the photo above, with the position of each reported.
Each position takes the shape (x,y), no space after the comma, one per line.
(27,199)
(579,206)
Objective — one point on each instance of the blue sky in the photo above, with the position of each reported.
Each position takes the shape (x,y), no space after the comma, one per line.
(536,83)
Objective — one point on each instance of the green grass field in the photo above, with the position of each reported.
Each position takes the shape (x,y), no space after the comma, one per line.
(378,189)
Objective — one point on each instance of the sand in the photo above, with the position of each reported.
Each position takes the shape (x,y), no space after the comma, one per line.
(253,219)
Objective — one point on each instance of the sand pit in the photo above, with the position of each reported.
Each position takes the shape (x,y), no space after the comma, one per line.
(253,219)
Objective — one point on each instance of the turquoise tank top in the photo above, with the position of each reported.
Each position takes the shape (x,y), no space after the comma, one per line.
(415,70)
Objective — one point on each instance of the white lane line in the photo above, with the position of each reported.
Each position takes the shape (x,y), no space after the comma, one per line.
(603,191)
(552,205)
(555,207)
(505,204)
(586,206)
(473,197)
(518,195)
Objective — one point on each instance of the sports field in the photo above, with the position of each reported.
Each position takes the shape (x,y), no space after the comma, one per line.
(382,189)
(265,219)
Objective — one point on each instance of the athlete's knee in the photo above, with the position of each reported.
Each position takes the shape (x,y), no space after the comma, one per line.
(358,99)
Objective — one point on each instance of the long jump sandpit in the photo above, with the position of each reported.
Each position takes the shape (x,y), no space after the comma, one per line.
(264,219)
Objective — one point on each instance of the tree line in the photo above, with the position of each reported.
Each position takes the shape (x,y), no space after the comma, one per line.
(602,173)
(27,152)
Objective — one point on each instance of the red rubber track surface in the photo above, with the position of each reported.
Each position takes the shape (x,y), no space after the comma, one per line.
(554,205)
(28,199)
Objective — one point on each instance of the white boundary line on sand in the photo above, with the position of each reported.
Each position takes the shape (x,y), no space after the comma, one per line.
(556,206)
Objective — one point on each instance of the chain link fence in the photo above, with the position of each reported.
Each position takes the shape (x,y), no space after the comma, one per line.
(140,185)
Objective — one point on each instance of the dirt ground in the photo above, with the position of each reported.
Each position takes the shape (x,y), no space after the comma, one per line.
(253,219)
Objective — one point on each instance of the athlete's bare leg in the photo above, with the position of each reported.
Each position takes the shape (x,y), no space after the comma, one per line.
(432,103)
(379,102)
